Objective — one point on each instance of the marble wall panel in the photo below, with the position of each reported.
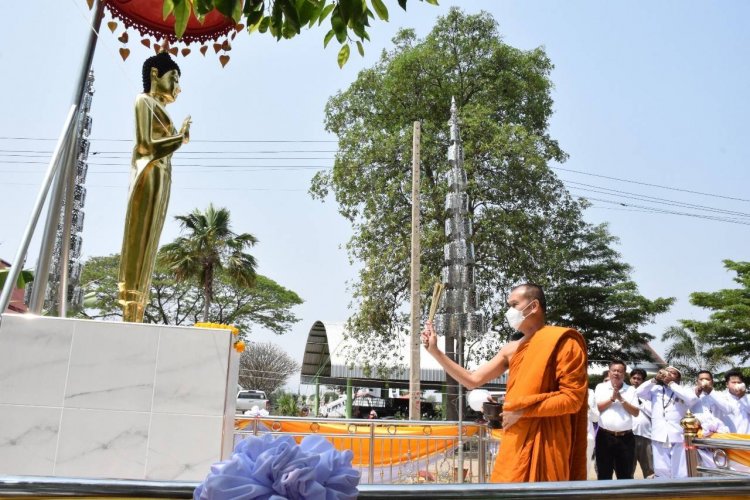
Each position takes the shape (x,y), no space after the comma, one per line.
(172,455)
(28,438)
(191,371)
(34,359)
(112,400)
(101,443)
(112,369)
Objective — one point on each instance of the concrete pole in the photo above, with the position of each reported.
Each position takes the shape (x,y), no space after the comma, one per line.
(415,412)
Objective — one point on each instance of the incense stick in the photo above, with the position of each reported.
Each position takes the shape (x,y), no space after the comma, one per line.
(437,291)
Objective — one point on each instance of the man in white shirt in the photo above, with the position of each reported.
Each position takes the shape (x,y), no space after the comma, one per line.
(669,403)
(615,444)
(736,407)
(642,428)
(709,401)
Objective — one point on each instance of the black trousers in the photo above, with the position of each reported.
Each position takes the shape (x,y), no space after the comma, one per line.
(614,454)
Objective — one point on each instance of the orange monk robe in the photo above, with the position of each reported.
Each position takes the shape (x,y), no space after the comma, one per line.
(548,380)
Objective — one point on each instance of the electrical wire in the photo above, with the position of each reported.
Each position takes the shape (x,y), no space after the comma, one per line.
(652,199)
(212,141)
(650,184)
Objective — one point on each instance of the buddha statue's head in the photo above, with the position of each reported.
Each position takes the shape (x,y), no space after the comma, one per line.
(161,77)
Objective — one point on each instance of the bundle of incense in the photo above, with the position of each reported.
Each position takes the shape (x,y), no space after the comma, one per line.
(436,293)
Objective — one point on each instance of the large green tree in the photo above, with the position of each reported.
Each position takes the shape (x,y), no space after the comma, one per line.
(210,247)
(266,304)
(727,330)
(527,226)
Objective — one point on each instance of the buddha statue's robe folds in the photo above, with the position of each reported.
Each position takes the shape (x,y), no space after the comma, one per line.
(148,199)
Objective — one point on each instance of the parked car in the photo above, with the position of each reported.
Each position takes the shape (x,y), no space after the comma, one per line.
(246,399)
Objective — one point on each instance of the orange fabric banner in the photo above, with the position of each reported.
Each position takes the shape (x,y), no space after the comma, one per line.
(393,444)
(739,456)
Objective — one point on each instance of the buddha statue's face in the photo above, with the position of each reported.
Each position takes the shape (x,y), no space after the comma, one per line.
(167,86)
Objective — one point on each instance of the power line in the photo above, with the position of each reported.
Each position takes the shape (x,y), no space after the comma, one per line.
(652,185)
(34,153)
(203,188)
(672,212)
(210,141)
(653,199)
(178,168)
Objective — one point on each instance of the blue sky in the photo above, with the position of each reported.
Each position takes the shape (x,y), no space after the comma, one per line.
(653,92)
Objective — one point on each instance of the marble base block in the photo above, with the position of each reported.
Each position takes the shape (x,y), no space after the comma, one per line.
(101,399)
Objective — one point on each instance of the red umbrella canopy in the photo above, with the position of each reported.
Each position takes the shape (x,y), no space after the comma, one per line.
(145,16)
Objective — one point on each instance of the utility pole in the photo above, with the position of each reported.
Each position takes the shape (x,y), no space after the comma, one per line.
(415,393)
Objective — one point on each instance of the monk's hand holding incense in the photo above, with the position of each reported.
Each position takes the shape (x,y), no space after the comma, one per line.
(511,417)
(429,339)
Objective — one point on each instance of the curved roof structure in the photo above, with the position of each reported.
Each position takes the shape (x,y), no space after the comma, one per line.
(324,360)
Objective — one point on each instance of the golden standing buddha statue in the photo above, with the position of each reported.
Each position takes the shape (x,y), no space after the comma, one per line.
(151,177)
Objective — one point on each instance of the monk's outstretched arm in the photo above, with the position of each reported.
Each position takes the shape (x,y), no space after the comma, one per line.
(572,375)
(470,379)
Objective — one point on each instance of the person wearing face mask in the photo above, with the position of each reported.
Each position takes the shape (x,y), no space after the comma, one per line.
(736,407)
(669,404)
(709,401)
(545,415)
(615,443)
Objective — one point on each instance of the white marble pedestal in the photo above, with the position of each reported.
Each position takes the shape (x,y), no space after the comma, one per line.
(114,400)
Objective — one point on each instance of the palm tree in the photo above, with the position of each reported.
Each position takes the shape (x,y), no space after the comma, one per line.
(689,354)
(210,247)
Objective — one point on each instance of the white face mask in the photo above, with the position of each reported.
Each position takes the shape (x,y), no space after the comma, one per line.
(515,317)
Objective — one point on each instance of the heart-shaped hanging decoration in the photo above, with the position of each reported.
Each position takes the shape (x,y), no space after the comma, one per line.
(146,42)
(185,51)
(124,37)
(124,53)
(224,59)
(203,50)
(112,26)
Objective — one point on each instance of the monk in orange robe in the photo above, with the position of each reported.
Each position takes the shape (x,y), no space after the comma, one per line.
(545,410)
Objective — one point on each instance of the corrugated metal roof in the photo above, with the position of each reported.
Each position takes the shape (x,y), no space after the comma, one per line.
(324,360)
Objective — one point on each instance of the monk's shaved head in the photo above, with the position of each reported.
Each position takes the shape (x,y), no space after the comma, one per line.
(532,291)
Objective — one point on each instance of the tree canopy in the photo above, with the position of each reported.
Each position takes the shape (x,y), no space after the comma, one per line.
(527,227)
(349,19)
(266,304)
(727,331)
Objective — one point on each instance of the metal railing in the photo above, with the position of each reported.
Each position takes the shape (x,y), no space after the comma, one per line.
(709,487)
(394,451)
(714,461)
(422,440)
